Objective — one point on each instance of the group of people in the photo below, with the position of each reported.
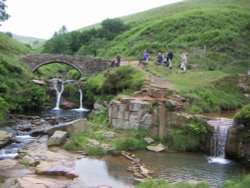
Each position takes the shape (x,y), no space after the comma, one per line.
(161,59)
(116,62)
(167,60)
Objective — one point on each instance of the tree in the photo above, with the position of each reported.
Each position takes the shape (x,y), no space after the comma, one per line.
(3,14)
(111,28)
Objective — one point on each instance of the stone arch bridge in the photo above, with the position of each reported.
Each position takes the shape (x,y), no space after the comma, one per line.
(83,64)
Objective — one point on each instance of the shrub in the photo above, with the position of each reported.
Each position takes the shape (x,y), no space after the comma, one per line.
(189,138)
(128,144)
(242,182)
(243,116)
(198,128)
(3,108)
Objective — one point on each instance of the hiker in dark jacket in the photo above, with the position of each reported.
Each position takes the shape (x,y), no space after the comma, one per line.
(159,58)
(170,58)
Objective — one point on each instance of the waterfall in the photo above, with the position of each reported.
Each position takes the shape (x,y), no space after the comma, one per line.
(80,91)
(219,139)
(80,107)
(58,93)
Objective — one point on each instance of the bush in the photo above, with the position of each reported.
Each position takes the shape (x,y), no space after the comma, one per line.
(123,79)
(242,182)
(190,138)
(243,116)
(128,144)
(3,108)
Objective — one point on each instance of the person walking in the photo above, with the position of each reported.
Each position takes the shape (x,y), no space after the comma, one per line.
(170,58)
(184,61)
(146,56)
(117,60)
(159,58)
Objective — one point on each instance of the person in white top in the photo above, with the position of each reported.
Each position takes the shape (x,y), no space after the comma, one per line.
(184,61)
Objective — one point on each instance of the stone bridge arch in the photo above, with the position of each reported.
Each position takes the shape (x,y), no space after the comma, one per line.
(83,64)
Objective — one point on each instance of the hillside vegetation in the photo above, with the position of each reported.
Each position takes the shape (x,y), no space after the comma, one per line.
(16,89)
(214,33)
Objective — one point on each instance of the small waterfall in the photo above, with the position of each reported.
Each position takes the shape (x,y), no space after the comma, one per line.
(80,107)
(11,150)
(58,93)
(219,139)
(80,91)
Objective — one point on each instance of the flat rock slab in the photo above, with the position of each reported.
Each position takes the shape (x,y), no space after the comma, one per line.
(32,182)
(7,163)
(57,168)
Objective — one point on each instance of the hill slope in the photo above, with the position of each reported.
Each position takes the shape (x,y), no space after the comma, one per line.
(221,28)
(15,78)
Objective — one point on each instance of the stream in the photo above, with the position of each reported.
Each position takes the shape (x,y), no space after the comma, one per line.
(113,170)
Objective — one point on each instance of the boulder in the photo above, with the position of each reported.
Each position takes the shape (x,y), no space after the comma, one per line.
(156,148)
(149,140)
(28,160)
(5,138)
(58,138)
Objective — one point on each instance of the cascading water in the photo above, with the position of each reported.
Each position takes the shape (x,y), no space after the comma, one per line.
(80,107)
(219,139)
(58,93)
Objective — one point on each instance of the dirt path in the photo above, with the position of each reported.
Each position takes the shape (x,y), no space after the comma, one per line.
(154,81)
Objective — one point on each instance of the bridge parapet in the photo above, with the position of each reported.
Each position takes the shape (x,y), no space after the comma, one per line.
(84,64)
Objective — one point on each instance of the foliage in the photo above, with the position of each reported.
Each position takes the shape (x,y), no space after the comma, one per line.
(242,182)
(87,42)
(128,144)
(243,116)
(3,14)
(131,140)
(36,98)
(79,141)
(112,82)
(3,108)
(197,127)
(159,183)
(100,118)
(111,28)
(190,138)
(17,92)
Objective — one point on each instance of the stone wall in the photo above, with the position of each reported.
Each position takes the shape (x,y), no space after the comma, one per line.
(157,116)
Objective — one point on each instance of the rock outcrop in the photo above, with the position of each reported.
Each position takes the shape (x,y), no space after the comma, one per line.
(157,116)
(5,138)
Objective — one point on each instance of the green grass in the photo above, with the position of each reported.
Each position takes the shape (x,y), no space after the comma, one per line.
(16,91)
(106,85)
(164,184)
(220,25)
(242,182)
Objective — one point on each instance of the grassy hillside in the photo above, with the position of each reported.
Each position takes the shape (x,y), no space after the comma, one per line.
(220,28)
(215,33)
(31,41)
(15,79)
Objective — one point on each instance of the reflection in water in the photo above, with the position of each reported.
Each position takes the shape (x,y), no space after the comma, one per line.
(93,173)
(69,115)
(176,167)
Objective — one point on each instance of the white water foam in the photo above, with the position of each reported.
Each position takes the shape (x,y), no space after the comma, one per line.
(218,160)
